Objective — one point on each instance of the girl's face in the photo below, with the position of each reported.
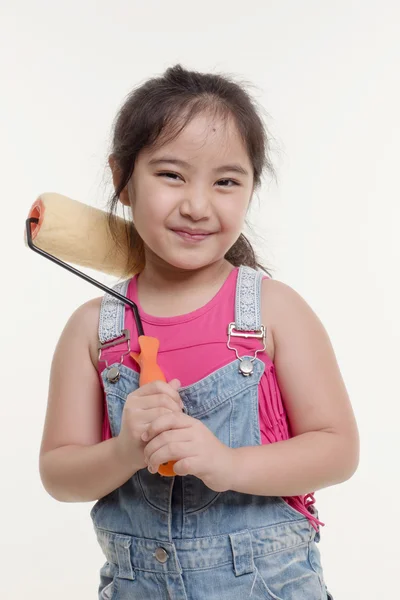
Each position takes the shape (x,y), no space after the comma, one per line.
(189,197)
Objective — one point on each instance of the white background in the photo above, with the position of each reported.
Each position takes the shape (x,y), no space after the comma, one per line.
(327,74)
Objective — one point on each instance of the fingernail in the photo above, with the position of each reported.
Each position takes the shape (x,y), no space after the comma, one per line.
(145,436)
(150,469)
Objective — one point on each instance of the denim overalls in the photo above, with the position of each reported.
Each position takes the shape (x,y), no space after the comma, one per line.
(172,537)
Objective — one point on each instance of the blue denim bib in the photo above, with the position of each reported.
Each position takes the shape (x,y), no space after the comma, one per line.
(173,537)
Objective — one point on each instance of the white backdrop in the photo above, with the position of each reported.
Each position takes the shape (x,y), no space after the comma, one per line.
(327,74)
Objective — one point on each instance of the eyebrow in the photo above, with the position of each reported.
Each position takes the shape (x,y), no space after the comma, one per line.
(235,168)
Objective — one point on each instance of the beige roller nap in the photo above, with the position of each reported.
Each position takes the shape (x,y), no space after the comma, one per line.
(77,233)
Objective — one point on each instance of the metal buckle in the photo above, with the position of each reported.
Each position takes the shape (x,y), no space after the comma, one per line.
(260,333)
(246,364)
(125,338)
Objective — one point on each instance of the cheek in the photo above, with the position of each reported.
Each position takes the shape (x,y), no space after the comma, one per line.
(151,204)
(233,214)
(146,219)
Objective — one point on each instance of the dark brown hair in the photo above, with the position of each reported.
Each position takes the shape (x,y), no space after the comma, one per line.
(156,112)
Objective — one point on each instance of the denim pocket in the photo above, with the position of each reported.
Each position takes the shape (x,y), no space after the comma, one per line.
(261,586)
(288,575)
(107,593)
(107,587)
(314,559)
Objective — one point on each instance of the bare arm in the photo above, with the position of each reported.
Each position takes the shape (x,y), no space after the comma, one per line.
(325,448)
(75,465)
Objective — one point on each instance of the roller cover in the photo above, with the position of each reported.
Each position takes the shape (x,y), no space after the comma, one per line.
(78,233)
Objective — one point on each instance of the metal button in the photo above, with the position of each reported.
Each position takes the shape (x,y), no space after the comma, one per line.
(113,375)
(161,555)
(246,367)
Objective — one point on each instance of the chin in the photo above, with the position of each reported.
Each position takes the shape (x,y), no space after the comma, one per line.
(184,261)
(186,264)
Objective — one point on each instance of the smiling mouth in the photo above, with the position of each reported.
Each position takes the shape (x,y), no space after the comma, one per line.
(193,237)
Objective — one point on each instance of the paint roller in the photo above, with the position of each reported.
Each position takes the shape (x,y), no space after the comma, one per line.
(67,231)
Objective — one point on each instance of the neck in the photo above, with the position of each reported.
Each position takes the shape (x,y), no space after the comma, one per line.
(159,279)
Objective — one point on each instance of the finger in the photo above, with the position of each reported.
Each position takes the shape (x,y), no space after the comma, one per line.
(157,387)
(172,421)
(170,436)
(147,402)
(185,466)
(170,452)
(175,384)
(148,416)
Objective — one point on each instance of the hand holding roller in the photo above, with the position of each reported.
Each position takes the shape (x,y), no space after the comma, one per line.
(150,371)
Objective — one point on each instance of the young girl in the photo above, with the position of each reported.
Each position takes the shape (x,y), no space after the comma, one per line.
(253,424)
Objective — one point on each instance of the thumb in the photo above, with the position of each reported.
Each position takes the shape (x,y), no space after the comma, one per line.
(175,384)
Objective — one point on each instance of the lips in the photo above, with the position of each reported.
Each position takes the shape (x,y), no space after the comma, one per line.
(193,231)
(196,235)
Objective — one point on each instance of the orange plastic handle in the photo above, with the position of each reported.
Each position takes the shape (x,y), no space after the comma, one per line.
(150,371)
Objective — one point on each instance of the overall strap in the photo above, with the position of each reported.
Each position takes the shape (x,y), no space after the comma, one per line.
(247,306)
(248,299)
(247,316)
(112,314)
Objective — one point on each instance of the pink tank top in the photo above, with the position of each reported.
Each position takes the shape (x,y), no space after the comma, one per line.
(194,345)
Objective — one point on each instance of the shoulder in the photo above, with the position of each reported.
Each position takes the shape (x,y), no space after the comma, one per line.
(83,326)
(280,297)
(87,315)
(285,312)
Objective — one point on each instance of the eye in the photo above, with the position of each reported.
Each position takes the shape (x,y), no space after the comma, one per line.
(168,175)
(227,181)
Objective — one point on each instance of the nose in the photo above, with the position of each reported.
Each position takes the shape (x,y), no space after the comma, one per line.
(197,204)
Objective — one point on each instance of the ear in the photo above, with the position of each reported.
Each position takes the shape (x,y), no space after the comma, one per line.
(116,175)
